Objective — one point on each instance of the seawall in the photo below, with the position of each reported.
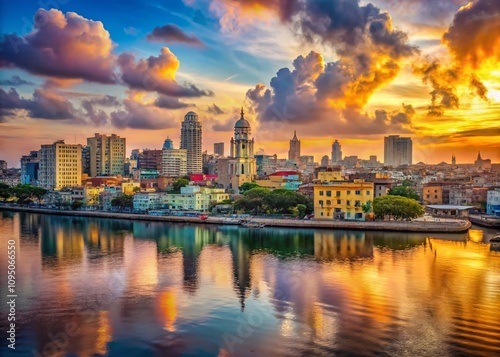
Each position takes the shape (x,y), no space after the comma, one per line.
(411,226)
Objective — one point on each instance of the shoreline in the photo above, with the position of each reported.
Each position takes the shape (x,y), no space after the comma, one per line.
(411,226)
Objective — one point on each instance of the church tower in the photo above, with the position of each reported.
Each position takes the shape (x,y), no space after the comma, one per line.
(453,159)
(242,166)
(294,151)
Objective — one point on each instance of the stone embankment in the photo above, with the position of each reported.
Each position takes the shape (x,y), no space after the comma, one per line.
(448,226)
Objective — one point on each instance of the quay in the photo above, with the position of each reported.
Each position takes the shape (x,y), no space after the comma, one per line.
(448,226)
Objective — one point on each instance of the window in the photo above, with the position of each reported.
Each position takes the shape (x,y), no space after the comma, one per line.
(428,196)
(321,193)
(339,202)
(358,192)
(348,203)
(321,213)
(337,193)
(435,196)
(368,193)
(328,203)
(321,202)
(358,215)
(329,193)
(348,192)
(357,203)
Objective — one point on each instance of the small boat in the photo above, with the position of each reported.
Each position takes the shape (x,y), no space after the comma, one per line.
(495,239)
(203,217)
(253,225)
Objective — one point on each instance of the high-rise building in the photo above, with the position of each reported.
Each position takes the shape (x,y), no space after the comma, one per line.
(453,159)
(324,161)
(86,160)
(219,149)
(336,152)
(151,159)
(174,163)
(294,151)
(60,165)
(191,141)
(397,151)
(29,168)
(107,155)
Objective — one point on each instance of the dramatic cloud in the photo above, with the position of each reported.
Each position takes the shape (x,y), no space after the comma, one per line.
(64,46)
(166,102)
(172,33)
(45,104)
(98,116)
(139,114)
(14,81)
(215,109)
(423,10)
(325,95)
(157,74)
(474,35)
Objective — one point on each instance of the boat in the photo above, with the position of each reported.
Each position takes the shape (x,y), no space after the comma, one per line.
(231,221)
(495,239)
(251,224)
(203,217)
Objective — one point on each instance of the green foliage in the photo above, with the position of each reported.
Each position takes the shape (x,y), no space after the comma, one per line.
(75,205)
(5,191)
(396,207)
(404,191)
(367,207)
(123,201)
(136,189)
(247,186)
(177,185)
(259,200)
(26,193)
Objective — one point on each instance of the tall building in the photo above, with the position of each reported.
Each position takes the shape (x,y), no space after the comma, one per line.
(174,163)
(107,155)
(219,149)
(397,151)
(324,161)
(482,164)
(453,159)
(30,167)
(60,165)
(336,152)
(191,141)
(240,167)
(294,151)
(151,159)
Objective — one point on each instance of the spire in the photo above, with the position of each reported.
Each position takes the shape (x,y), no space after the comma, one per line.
(242,113)
(479,155)
(295,135)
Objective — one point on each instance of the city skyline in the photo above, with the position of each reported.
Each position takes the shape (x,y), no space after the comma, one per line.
(146,65)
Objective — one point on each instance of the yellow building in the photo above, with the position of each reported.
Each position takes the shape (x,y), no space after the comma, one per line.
(330,176)
(341,200)
(129,188)
(432,195)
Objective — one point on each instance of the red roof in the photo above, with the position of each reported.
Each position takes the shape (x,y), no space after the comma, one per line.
(201,177)
(284,173)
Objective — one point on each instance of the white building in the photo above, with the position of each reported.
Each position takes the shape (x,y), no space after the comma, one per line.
(107,155)
(493,202)
(60,165)
(397,151)
(174,163)
(191,141)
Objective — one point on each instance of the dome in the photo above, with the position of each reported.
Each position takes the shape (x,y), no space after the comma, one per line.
(242,122)
(192,116)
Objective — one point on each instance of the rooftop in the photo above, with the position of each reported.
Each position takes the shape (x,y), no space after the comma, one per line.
(450,207)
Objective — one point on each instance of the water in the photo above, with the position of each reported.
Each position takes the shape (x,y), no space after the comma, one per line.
(96,287)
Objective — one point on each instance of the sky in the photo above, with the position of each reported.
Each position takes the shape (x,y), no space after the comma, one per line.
(350,70)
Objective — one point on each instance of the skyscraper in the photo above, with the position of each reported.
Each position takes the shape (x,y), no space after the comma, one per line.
(29,167)
(107,155)
(397,151)
(294,151)
(336,152)
(191,142)
(60,165)
(219,149)
(324,161)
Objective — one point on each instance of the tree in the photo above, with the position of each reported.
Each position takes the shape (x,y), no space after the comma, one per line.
(5,191)
(247,186)
(39,193)
(136,189)
(367,207)
(177,185)
(123,201)
(301,208)
(260,199)
(404,191)
(76,205)
(396,207)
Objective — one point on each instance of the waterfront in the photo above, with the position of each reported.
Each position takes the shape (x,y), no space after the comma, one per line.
(153,288)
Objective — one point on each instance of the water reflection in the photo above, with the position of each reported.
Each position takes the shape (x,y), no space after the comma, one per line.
(148,288)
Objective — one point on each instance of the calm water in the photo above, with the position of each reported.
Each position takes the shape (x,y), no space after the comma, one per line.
(95,287)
